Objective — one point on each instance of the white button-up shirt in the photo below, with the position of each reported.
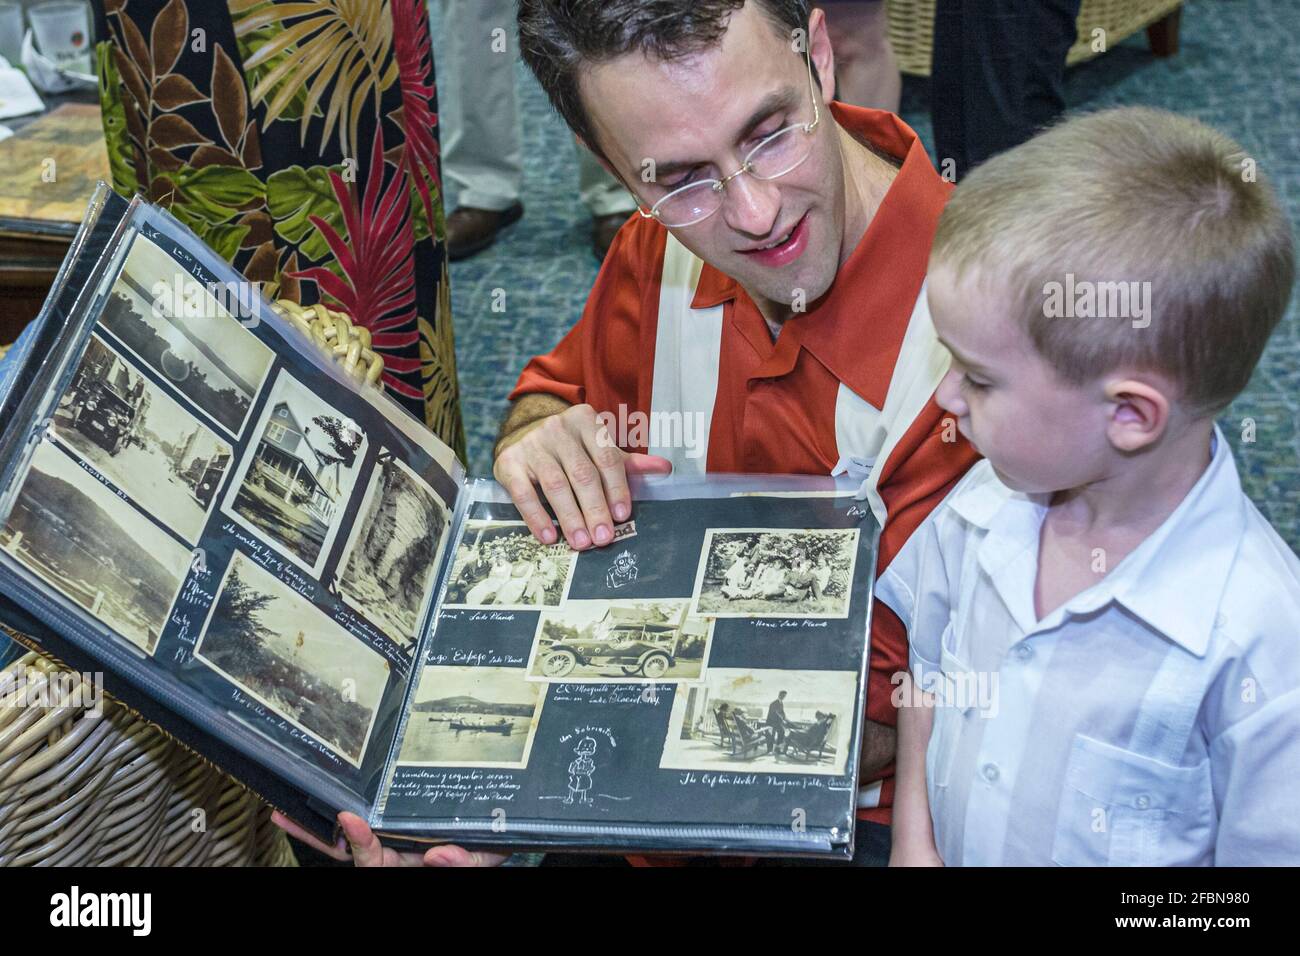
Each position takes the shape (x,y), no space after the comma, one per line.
(1154,719)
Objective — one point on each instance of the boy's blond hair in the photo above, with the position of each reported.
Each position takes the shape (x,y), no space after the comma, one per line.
(1121,196)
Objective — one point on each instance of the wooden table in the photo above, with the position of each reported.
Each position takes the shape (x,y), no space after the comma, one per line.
(27,269)
(29,260)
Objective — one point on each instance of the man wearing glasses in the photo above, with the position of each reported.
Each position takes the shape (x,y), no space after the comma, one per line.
(771,290)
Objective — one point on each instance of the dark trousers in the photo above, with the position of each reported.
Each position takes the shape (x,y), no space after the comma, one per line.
(998,73)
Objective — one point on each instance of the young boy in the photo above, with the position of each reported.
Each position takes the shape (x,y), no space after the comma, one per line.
(1110,630)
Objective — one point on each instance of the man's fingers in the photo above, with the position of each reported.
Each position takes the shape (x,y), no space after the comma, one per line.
(366,848)
(580,473)
(338,852)
(519,485)
(554,482)
(638,464)
(588,486)
(459,856)
(609,462)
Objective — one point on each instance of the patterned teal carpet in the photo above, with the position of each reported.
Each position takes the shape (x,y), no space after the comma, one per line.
(1238,69)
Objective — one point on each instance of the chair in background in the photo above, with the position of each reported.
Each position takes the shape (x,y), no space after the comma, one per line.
(911,29)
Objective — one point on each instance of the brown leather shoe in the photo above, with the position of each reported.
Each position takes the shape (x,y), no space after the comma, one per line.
(603,231)
(471,230)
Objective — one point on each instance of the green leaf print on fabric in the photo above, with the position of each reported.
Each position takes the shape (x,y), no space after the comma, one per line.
(121,159)
(296,194)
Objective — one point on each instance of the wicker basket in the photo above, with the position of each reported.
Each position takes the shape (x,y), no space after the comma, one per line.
(911,27)
(81,786)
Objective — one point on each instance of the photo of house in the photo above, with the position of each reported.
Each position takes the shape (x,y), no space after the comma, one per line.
(294,483)
(290,467)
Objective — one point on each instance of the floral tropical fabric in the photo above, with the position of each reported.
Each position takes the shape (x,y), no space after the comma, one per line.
(299,140)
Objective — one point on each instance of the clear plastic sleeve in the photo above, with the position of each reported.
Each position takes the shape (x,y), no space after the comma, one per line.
(192,494)
(695,686)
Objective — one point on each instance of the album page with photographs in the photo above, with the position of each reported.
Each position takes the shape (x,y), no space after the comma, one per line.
(194,495)
(697,685)
(195,500)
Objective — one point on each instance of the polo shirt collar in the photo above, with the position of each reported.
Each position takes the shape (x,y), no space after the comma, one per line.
(856,329)
(1174,580)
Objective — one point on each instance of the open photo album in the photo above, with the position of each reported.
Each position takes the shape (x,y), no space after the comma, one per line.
(292,576)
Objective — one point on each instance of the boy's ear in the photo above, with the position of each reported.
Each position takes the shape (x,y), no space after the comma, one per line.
(1139,413)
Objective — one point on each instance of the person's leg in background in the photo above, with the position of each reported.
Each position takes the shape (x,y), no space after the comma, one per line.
(1053,30)
(997,76)
(605,198)
(866,72)
(481,148)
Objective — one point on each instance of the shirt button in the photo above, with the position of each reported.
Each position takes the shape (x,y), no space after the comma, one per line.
(990,772)
(1142,802)
(1024,652)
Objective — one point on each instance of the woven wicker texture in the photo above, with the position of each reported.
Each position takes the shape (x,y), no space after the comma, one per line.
(82,785)
(911,27)
(334,332)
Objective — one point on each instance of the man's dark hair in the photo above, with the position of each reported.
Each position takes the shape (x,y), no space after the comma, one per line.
(560,38)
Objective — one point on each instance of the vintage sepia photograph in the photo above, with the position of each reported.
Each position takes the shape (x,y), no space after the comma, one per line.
(209,357)
(393,550)
(282,650)
(620,642)
(761,572)
(472,717)
(137,437)
(774,720)
(95,548)
(499,564)
(294,482)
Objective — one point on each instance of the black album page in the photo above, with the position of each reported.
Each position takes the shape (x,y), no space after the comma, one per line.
(697,684)
(207,505)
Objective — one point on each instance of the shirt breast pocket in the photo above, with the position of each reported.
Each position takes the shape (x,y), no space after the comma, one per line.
(950,706)
(1120,808)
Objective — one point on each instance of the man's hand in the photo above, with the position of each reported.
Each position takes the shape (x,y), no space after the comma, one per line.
(360,845)
(569,455)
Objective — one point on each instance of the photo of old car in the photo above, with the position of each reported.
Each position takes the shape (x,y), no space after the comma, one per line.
(599,640)
(132,433)
(107,402)
(644,649)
